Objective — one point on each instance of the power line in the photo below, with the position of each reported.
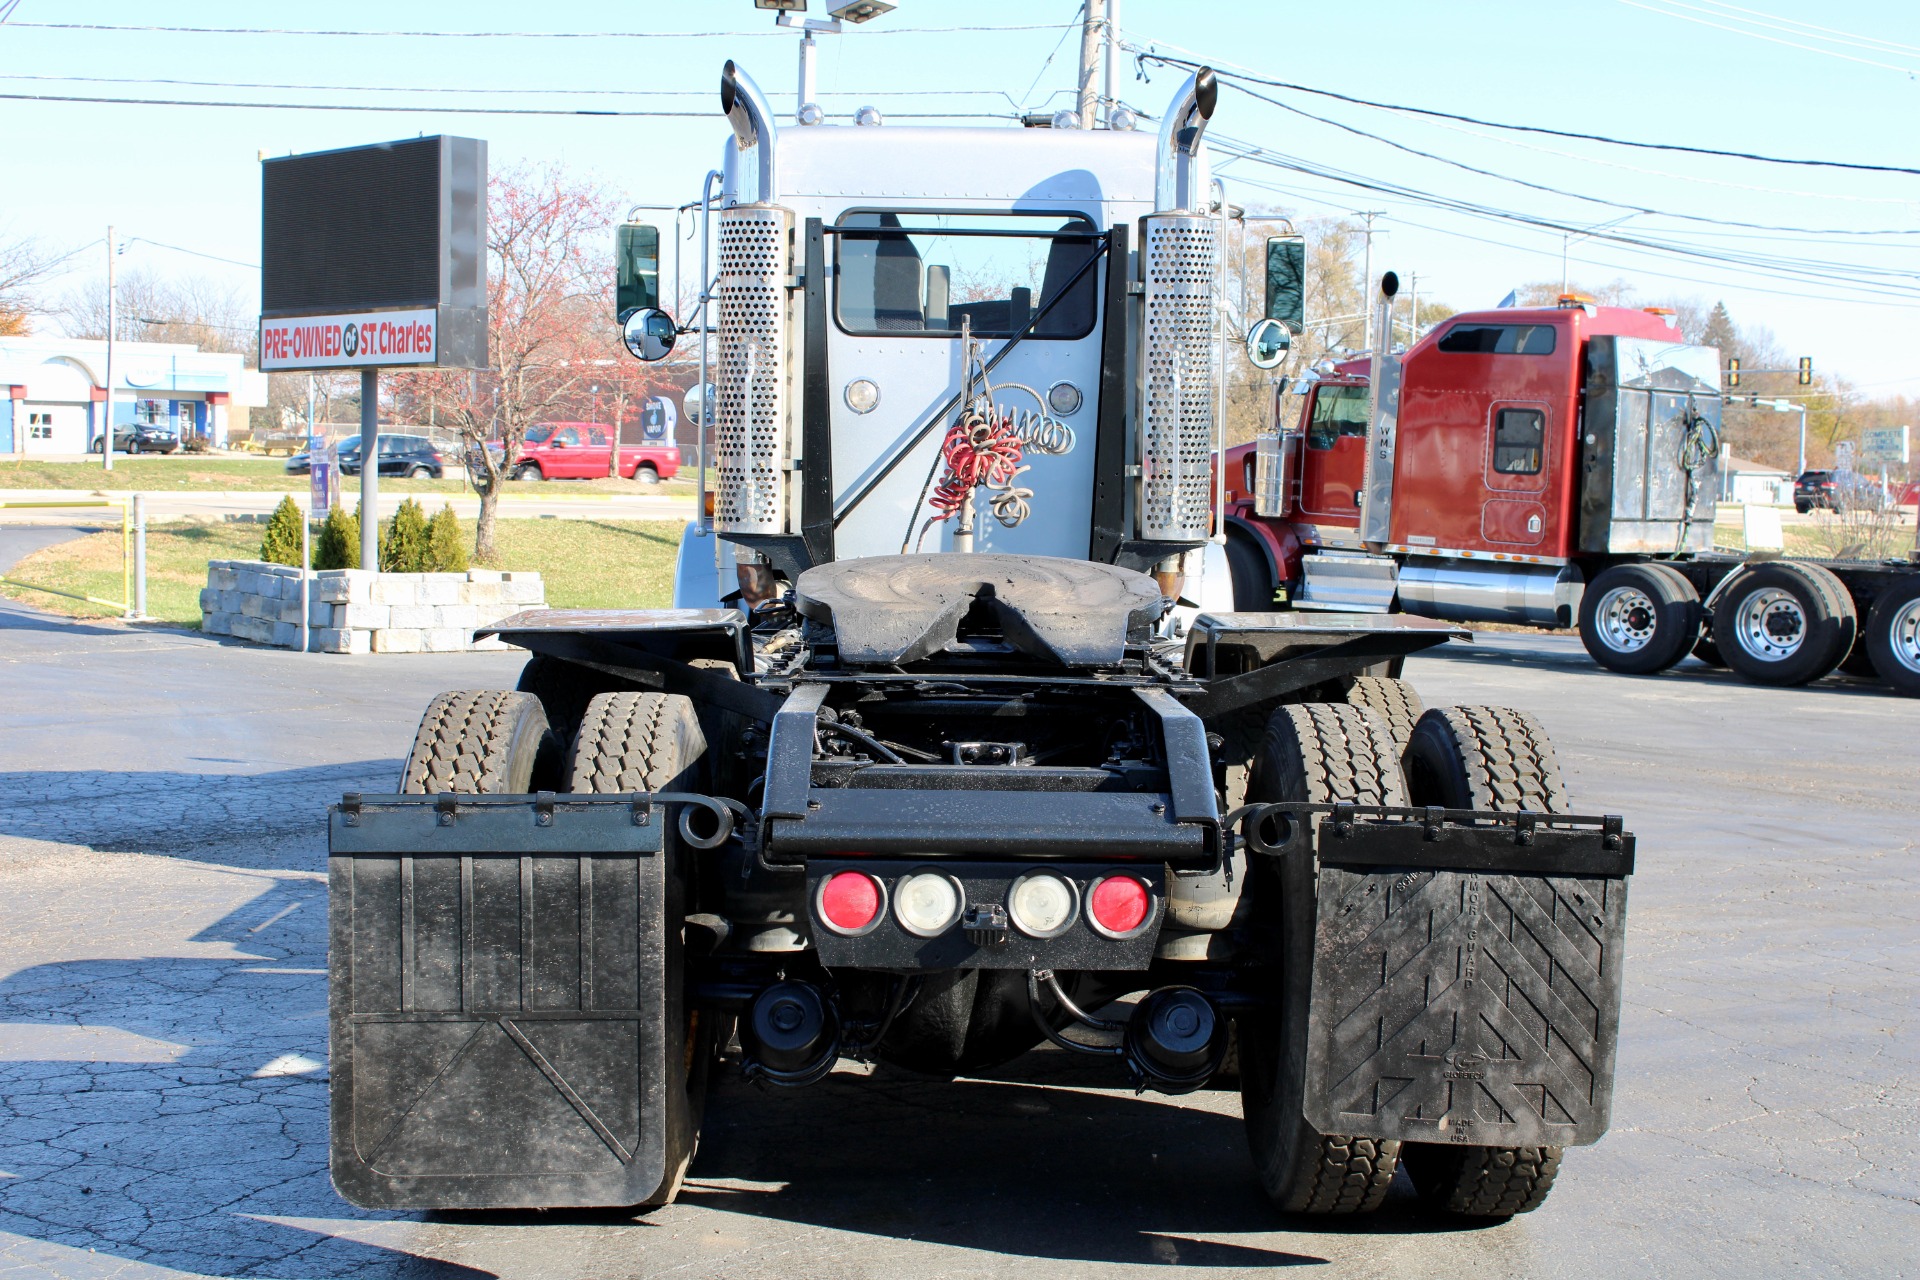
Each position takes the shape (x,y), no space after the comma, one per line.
(1755,35)
(251,266)
(1560,191)
(1148,55)
(509,35)
(438,109)
(493,90)
(1843,37)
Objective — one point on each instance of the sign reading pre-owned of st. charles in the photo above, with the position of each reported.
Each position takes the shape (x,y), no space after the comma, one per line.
(373,340)
(372,257)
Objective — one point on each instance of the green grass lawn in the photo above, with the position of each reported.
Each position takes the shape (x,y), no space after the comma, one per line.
(195,473)
(598,564)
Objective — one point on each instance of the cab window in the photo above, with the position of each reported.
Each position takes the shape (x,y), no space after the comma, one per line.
(567,436)
(1337,411)
(1519,437)
(911,272)
(1498,340)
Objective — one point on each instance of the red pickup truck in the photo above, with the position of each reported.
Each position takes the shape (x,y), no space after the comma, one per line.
(579,451)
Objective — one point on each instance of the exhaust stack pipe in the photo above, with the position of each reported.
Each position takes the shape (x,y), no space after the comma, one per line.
(746,110)
(1180,175)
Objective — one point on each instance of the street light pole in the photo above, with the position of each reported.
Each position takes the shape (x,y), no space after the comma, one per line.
(1367,281)
(106,434)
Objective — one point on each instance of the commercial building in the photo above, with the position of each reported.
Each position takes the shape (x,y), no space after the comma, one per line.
(53,392)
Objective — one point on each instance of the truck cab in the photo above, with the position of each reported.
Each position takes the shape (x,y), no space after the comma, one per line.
(1494,462)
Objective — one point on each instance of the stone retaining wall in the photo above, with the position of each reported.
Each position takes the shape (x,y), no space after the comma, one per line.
(359,611)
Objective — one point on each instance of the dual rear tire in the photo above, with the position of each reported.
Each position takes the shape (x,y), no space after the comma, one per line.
(500,743)
(1456,757)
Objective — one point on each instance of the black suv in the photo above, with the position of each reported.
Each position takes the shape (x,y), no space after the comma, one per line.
(411,456)
(1815,489)
(140,437)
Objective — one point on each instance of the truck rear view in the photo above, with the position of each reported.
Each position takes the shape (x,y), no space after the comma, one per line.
(956,745)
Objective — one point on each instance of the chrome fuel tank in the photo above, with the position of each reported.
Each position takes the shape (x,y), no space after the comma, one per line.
(1539,595)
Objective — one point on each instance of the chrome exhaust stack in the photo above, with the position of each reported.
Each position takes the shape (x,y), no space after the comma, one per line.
(1180,172)
(1179,256)
(753,324)
(746,110)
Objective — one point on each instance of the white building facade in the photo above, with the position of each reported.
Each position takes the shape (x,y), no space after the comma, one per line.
(54,397)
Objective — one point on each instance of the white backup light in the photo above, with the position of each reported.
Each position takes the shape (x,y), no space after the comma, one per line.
(927,904)
(1064,398)
(1041,904)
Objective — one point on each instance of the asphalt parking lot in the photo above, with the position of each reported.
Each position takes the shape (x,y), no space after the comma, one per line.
(163,1000)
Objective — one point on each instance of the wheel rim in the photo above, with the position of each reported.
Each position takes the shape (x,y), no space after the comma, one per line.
(1771,625)
(1903,635)
(1627,619)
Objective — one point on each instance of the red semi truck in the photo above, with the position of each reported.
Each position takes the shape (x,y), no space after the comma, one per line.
(579,451)
(1549,467)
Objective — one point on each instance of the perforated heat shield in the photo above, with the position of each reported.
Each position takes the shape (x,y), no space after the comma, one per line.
(1177,394)
(750,408)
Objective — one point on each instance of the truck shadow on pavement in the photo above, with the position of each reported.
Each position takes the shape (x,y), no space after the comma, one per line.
(173,1112)
(272,819)
(1032,1163)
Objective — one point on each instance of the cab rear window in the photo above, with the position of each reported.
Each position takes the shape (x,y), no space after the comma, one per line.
(919,273)
(1499,340)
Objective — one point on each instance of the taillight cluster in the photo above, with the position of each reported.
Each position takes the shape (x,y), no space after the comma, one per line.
(928,903)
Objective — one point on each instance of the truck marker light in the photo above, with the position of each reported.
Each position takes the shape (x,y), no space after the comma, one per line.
(927,904)
(849,902)
(1118,906)
(862,395)
(1042,905)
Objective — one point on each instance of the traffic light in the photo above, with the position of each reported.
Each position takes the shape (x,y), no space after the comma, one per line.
(1806,371)
(1733,372)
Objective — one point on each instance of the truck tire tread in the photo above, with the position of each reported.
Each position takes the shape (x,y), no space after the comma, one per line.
(1503,757)
(635,742)
(1394,701)
(1483,1182)
(1321,753)
(651,742)
(484,742)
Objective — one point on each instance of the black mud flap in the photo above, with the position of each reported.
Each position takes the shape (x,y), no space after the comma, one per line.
(498,983)
(1467,977)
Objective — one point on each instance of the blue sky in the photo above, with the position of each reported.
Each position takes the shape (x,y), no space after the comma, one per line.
(1829,82)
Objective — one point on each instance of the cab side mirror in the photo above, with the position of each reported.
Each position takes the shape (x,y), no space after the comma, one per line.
(649,334)
(1268,344)
(637,268)
(1287,281)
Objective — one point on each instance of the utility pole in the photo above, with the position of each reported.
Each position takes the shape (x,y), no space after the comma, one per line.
(1092,30)
(106,433)
(1413,308)
(1111,96)
(1366,271)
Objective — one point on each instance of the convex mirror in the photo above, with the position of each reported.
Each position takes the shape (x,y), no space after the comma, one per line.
(1268,344)
(649,334)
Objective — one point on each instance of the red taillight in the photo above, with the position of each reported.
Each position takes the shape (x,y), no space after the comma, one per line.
(849,901)
(1118,905)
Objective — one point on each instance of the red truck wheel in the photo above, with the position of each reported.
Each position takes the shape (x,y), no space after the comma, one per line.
(1638,619)
(1893,637)
(1784,623)
(645,474)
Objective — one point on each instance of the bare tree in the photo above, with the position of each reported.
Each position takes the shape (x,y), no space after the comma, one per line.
(25,265)
(548,277)
(150,307)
